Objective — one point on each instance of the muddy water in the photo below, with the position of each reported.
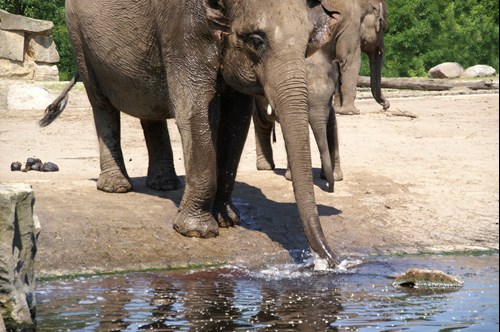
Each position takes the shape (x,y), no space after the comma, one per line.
(278,298)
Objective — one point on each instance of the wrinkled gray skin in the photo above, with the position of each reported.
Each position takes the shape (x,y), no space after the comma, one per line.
(361,30)
(323,79)
(200,61)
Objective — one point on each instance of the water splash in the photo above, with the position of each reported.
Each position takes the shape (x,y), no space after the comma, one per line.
(345,266)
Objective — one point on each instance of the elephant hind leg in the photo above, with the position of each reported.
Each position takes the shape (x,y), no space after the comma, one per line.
(113,177)
(161,170)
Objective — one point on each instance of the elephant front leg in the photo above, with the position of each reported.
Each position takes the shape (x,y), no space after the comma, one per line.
(161,170)
(349,55)
(194,217)
(113,177)
(333,146)
(263,127)
(236,112)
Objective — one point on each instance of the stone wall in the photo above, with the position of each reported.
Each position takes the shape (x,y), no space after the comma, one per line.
(19,229)
(27,50)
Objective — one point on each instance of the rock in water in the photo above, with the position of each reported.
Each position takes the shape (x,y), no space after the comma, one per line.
(426,279)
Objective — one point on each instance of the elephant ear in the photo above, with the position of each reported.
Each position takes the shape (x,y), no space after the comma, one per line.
(323,25)
(332,8)
(218,22)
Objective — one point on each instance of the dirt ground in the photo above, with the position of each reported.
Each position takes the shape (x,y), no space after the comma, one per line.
(422,178)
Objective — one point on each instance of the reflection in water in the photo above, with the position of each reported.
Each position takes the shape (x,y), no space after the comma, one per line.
(286,298)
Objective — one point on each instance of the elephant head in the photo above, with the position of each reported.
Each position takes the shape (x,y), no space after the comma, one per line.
(373,26)
(264,54)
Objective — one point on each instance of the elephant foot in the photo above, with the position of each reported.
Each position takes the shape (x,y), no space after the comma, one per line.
(348,110)
(265,165)
(202,226)
(226,214)
(288,174)
(114,182)
(163,183)
(338,175)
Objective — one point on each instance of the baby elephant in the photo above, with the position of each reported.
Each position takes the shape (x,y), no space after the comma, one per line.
(323,75)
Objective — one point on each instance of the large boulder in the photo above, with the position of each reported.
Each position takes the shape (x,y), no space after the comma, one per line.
(11,22)
(446,70)
(12,45)
(19,229)
(479,71)
(27,97)
(27,50)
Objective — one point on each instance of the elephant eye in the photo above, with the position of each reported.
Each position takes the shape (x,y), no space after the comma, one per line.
(256,41)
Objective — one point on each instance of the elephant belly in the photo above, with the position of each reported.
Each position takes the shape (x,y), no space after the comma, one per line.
(148,101)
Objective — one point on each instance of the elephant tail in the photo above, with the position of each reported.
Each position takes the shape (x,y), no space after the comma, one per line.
(55,109)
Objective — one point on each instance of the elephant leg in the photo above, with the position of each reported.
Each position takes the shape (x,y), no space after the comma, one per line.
(349,54)
(263,145)
(236,113)
(113,177)
(318,119)
(196,108)
(161,170)
(263,127)
(333,145)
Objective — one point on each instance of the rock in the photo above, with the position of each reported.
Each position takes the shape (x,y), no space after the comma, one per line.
(12,45)
(19,229)
(27,97)
(426,279)
(479,71)
(11,22)
(446,70)
(16,69)
(46,72)
(42,49)
(27,50)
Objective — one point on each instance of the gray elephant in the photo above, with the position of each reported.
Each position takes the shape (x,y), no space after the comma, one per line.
(323,74)
(361,30)
(201,62)
(333,74)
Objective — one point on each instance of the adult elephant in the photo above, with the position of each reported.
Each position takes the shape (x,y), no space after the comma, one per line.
(201,62)
(361,30)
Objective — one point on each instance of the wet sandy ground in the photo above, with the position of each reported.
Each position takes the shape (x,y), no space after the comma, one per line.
(422,178)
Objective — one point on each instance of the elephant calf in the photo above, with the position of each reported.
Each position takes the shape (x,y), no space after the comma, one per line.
(323,75)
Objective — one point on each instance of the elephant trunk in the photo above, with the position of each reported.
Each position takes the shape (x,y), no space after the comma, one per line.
(376,65)
(289,99)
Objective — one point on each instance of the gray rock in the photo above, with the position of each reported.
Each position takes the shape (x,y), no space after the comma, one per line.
(11,69)
(27,97)
(42,49)
(426,279)
(46,72)
(479,71)
(12,45)
(13,22)
(19,229)
(446,70)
